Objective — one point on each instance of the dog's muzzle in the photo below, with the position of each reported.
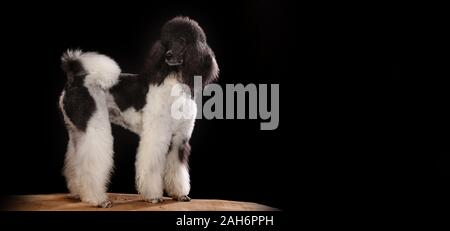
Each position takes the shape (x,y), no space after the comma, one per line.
(172,60)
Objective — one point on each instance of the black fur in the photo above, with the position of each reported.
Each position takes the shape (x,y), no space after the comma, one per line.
(184,151)
(74,69)
(78,113)
(182,40)
(187,42)
(171,144)
(131,91)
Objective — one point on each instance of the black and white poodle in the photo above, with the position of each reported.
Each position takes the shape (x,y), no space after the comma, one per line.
(144,104)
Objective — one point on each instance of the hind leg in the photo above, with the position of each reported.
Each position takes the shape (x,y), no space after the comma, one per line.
(93,163)
(69,168)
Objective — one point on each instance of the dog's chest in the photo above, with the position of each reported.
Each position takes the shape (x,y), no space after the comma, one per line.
(169,103)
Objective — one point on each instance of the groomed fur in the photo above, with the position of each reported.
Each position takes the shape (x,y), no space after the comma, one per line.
(197,57)
(161,161)
(100,69)
(142,103)
(89,156)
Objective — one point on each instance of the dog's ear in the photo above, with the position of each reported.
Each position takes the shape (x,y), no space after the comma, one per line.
(199,60)
(154,63)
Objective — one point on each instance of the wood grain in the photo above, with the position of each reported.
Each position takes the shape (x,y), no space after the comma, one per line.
(125,202)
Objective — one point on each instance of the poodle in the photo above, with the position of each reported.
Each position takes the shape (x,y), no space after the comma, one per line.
(143,104)
(97,93)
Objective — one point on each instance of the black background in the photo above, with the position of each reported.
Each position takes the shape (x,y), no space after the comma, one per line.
(231,159)
(349,103)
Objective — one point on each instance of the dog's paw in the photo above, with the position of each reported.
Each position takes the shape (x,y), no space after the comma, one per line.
(106,204)
(155,200)
(183,198)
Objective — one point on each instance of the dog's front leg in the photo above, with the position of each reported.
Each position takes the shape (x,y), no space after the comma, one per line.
(151,156)
(176,175)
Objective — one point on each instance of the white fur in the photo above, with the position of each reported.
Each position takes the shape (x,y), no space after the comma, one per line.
(101,69)
(129,119)
(89,156)
(134,119)
(157,169)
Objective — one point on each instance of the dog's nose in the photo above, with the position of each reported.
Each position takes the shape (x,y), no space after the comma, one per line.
(169,54)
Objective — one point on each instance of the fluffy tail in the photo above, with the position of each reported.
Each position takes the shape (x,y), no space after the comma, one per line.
(99,70)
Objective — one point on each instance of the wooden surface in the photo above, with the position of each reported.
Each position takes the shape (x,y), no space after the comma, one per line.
(125,202)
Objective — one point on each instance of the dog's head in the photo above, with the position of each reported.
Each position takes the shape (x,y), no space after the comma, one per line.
(182,46)
(179,36)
